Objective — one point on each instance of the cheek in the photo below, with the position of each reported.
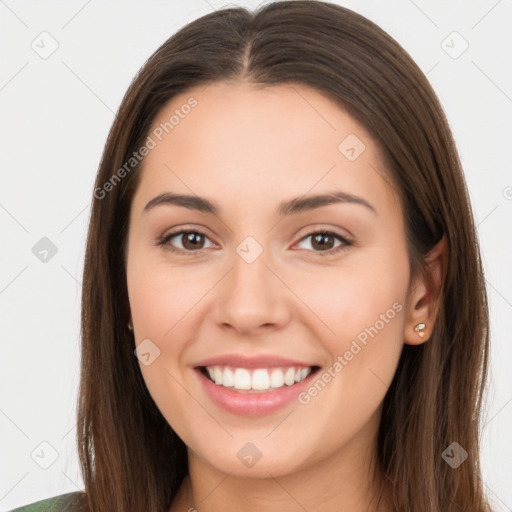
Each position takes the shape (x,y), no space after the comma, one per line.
(164,301)
(354,295)
(361,307)
(160,298)
(364,308)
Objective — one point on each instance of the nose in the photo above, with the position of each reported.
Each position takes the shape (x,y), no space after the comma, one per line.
(252,297)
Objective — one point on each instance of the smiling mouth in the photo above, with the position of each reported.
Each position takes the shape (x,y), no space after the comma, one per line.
(257,380)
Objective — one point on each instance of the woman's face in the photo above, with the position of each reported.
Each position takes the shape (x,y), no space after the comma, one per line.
(258,292)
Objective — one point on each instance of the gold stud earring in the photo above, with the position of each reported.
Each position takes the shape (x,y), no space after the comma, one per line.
(420,329)
(130,326)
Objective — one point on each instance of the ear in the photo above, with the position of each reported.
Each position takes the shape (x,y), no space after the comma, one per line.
(425,297)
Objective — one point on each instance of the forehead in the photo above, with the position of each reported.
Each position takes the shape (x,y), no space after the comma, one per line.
(248,142)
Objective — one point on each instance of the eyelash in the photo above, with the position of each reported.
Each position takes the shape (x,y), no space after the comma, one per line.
(165,239)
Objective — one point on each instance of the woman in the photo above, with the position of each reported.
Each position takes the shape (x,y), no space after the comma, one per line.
(283,300)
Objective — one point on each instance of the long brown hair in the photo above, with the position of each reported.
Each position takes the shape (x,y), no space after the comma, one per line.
(131,459)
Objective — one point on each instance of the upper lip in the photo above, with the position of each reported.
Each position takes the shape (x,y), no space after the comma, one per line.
(243,361)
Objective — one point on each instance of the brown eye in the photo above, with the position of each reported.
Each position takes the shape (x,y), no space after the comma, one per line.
(191,241)
(323,242)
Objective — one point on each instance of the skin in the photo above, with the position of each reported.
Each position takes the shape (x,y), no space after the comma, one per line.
(248,149)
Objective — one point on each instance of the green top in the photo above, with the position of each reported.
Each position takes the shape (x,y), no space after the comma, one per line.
(61,503)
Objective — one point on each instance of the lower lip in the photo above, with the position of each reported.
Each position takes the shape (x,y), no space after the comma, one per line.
(252,404)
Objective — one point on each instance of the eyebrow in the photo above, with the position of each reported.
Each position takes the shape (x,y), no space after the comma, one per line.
(286,208)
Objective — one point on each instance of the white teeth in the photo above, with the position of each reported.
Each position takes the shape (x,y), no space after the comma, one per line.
(228,378)
(217,375)
(260,379)
(242,379)
(289,377)
(277,379)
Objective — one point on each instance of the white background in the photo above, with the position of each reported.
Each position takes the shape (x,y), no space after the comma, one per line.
(55,115)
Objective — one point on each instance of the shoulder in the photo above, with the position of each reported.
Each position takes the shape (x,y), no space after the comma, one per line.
(61,503)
